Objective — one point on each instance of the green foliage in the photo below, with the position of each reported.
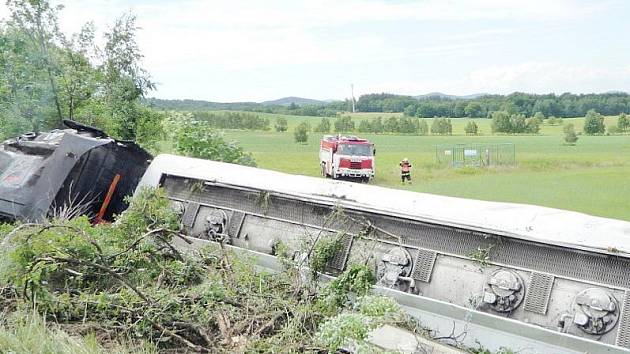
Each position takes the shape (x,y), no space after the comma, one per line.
(344,124)
(481,255)
(471,128)
(441,126)
(236,120)
(301,133)
(323,126)
(503,122)
(357,279)
(48,76)
(569,134)
(344,329)
(594,123)
(323,251)
(197,139)
(623,122)
(26,333)
(281,124)
(352,328)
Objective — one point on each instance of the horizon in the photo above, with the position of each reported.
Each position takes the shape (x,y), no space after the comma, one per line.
(223,51)
(428,95)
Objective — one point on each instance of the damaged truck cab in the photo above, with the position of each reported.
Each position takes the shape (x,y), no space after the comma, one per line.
(73,171)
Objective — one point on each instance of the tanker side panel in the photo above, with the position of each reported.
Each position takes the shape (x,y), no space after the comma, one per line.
(561,289)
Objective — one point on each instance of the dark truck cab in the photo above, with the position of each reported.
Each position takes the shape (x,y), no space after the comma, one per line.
(77,170)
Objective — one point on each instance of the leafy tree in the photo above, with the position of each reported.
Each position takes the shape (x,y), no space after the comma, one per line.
(301,133)
(473,109)
(471,128)
(323,126)
(410,111)
(364,126)
(532,125)
(377,125)
(344,124)
(501,122)
(623,122)
(281,124)
(539,116)
(196,139)
(37,20)
(441,126)
(594,123)
(569,134)
(391,125)
(423,127)
(125,81)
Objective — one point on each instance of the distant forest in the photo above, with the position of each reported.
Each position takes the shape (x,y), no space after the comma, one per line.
(564,105)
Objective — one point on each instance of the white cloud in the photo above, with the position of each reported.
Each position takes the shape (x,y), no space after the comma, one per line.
(530,77)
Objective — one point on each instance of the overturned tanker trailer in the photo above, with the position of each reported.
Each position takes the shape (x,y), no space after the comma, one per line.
(67,172)
(528,278)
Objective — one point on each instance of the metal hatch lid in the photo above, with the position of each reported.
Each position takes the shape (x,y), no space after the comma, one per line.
(529,222)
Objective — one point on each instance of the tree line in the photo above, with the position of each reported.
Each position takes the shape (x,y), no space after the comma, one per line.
(566,105)
(232,120)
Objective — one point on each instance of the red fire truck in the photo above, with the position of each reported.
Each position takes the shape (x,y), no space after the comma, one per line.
(346,156)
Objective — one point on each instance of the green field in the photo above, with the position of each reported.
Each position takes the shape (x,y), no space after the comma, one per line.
(591,177)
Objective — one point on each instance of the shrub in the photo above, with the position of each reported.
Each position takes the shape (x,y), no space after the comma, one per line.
(441,126)
(344,124)
(623,122)
(471,128)
(569,134)
(323,126)
(281,124)
(594,123)
(197,139)
(301,133)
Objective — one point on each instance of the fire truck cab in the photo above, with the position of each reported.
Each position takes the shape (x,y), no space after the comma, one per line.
(346,156)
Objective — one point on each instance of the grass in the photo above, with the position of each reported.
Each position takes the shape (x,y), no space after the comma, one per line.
(591,177)
(28,334)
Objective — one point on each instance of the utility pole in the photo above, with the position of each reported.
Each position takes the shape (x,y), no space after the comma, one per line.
(352,90)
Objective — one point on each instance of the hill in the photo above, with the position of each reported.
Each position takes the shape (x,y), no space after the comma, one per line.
(286,101)
(450,97)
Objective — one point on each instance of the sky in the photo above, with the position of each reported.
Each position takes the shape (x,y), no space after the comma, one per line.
(234,50)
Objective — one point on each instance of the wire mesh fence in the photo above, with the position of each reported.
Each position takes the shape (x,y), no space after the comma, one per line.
(476,155)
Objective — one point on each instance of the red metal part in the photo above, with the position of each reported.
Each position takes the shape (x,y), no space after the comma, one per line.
(108,198)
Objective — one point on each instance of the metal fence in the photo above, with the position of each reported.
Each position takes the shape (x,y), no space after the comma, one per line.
(476,155)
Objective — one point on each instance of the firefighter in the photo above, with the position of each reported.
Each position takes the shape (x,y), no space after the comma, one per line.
(405,171)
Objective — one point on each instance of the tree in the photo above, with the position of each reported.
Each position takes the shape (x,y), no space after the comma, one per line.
(377,125)
(391,125)
(569,134)
(423,127)
(501,122)
(623,122)
(471,128)
(301,133)
(410,110)
(281,124)
(441,126)
(38,21)
(473,109)
(323,126)
(124,80)
(197,139)
(539,116)
(365,126)
(532,125)
(344,124)
(594,123)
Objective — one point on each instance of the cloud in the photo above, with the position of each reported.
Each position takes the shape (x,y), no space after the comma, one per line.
(530,77)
